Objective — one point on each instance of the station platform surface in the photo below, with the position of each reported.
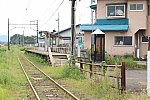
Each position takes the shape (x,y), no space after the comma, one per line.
(45,53)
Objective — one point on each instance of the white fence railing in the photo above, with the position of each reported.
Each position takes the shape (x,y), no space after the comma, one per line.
(65,50)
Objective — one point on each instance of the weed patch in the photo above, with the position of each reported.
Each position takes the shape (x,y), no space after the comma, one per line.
(12,79)
(5,77)
(129,60)
(3,93)
(73,72)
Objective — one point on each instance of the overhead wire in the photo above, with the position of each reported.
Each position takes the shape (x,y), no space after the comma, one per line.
(53,13)
(26,9)
(28,6)
(45,11)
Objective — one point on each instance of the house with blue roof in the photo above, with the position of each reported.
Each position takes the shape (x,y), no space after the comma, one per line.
(125,24)
(66,36)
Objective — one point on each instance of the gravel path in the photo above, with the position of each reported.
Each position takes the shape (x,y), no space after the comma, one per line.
(136,80)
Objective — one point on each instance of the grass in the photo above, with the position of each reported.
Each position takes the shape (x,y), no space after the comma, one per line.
(13,84)
(12,80)
(78,82)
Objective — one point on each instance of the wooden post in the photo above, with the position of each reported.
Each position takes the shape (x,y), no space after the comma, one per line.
(81,65)
(90,69)
(123,77)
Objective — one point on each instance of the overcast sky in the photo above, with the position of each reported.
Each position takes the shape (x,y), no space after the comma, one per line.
(24,11)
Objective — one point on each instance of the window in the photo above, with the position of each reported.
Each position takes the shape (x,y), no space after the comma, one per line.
(132,6)
(54,41)
(145,39)
(139,6)
(115,10)
(123,40)
(136,7)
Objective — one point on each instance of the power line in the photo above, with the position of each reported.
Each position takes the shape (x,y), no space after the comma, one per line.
(26,9)
(54,12)
(46,10)
(28,5)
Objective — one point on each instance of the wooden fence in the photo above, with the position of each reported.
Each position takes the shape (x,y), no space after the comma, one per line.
(121,78)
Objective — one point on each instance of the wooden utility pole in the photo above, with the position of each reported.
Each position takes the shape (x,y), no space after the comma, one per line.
(72,26)
(8,36)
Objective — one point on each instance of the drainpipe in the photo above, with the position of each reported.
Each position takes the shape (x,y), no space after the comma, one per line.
(138,47)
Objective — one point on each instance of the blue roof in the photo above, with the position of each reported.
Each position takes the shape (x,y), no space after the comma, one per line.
(107,25)
(104,27)
(66,29)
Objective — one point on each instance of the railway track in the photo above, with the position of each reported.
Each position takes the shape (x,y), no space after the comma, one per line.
(43,86)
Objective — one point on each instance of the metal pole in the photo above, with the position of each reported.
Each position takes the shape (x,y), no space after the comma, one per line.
(72,26)
(91,14)
(148,73)
(148,69)
(19,39)
(58,23)
(23,39)
(8,36)
(149,45)
(37,31)
(58,30)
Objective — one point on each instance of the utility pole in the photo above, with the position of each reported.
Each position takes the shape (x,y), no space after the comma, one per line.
(91,14)
(58,27)
(37,31)
(19,39)
(23,39)
(58,23)
(72,26)
(36,22)
(8,36)
(148,44)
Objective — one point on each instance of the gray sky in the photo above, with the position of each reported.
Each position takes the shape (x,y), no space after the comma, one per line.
(24,11)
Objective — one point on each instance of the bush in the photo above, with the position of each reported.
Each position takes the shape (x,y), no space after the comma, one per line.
(38,58)
(128,59)
(72,72)
(22,48)
(2,50)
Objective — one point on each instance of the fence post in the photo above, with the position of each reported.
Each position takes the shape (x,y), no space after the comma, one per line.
(90,69)
(123,77)
(81,65)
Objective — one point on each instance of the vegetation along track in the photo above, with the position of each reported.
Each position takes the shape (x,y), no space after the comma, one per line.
(43,86)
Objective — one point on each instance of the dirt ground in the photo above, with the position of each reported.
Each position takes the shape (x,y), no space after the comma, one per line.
(136,80)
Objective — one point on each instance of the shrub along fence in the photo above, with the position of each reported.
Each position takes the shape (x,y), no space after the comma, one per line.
(121,79)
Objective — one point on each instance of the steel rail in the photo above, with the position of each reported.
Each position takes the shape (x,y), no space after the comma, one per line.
(34,91)
(61,87)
